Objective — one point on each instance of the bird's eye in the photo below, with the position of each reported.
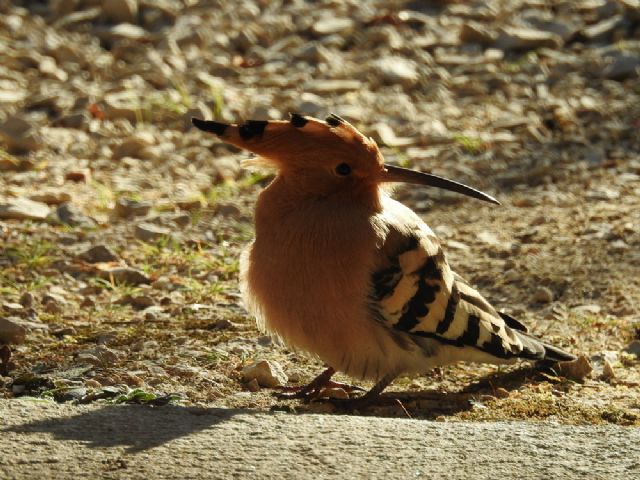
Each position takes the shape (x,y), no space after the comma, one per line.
(343,169)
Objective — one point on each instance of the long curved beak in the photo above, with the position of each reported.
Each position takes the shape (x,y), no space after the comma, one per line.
(404,175)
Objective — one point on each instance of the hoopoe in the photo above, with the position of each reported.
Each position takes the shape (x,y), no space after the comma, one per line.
(341,270)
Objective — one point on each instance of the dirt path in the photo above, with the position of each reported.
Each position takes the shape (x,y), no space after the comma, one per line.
(46,440)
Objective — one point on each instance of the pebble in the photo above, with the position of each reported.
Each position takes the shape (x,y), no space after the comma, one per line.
(51,196)
(24,209)
(148,232)
(70,215)
(20,135)
(576,369)
(622,66)
(518,38)
(126,208)
(11,332)
(27,299)
(543,295)
(98,253)
(332,25)
(120,11)
(633,348)
(396,70)
(125,275)
(268,373)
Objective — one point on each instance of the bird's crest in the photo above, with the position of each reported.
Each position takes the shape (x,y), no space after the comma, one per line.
(299,142)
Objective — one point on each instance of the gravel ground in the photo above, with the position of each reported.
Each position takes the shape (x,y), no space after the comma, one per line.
(121,226)
(48,440)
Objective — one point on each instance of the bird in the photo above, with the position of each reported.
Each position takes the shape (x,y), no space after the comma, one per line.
(342,271)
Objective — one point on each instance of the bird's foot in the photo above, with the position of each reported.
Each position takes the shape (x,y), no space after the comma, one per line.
(313,390)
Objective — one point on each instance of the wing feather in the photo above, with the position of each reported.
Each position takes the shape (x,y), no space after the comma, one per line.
(414,291)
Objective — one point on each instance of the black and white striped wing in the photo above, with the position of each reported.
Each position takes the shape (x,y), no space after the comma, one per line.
(414,290)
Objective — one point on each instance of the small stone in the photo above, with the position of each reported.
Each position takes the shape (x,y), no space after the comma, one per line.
(23,209)
(69,215)
(11,332)
(228,210)
(99,356)
(512,38)
(334,393)
(136,301)
(397,70)
(124,275)
(51,196)
(126,31)
(633,348)
(477,33)
(332,25)
(20,136)
(607,371)
(543,295)
(602,30)
(99,253)
(384,135)
(68,394)
(268,373)
(622,66)
(27,299)
(131,146)
(53,307)
(120,11)
(253,385)
(148,232)
(79,176)
(12,307)
(576,369)
(126,208)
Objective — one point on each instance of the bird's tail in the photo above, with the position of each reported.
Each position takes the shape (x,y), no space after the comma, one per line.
(535,349)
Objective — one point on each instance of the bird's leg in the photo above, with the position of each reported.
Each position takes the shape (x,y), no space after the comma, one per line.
(314,389)
(311,390)
(368,398)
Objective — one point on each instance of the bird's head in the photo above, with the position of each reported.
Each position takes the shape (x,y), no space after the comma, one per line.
(324,158)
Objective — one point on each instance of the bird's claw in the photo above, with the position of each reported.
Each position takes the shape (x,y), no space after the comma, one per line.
(313,390)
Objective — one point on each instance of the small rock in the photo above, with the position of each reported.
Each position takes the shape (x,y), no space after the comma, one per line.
(23,209)
(20,136)
(576,369)
(124,275)
(602,193)
(79,176)
(11,332)
(602,30)
(633,348)
(334,393)
(131,146)
(622,66)
(513,38)
(125,31)
(543,295)
(396,70)
(126,207)
(120,11)
(51,197)
(228,210)
(253,385)
(27,299)
(53,307)
(99,356)
(137,301)
(477,33)
(268,373)
(148,232)
(68,394)
(607,371)
(99,253)
(384,135)
(69,215)
(332,25)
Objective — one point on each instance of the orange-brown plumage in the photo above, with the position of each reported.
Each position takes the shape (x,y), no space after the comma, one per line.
(340,270)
